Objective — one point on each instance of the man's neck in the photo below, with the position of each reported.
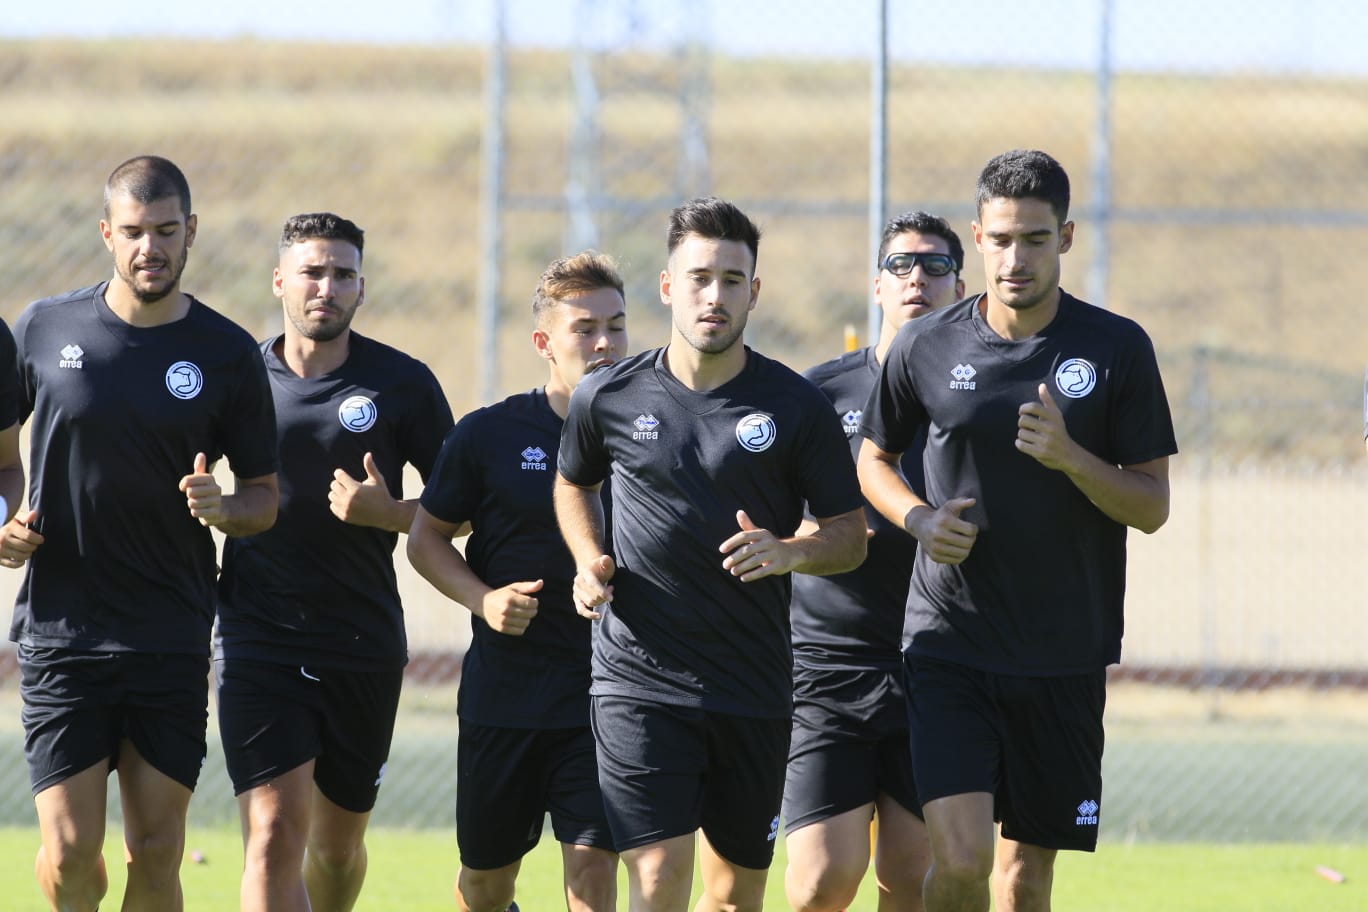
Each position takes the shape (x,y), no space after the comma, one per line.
(700,371)
(307,357)
(1015,323)
(886,333)
(136,312)
(558,396)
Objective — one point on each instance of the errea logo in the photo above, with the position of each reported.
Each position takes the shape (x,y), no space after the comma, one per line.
(71,357)
(851,421)
(963,377)
(1087,814)
(646,428)
(534,459)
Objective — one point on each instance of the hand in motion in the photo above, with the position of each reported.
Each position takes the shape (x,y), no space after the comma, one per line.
(1041,433)
(942,533)
(203,495)
(18,540)
(510,609)
(591,587)
(361,501)
(755,553)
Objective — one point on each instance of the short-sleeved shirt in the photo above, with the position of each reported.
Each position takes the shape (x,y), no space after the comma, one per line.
(118,414)
(496,471)
(9,381)
(680,629)
(854,620)
(314,589)
(1041,591)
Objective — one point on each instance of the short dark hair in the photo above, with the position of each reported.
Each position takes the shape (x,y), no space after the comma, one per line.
(1025,174)
(922,223)
(148,178)
(310,226)
(571,276)
(710,217)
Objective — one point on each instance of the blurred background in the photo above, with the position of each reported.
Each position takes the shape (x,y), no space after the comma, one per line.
(1218,154)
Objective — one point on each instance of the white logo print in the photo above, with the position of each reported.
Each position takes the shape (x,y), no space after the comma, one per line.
(851,421)
(774,829)
(71,357)
(357,414)
(756,432)
(1076,378)
(963,375)
(184,380)
(534,459)
(646,428)
(1087,813)
(381,775)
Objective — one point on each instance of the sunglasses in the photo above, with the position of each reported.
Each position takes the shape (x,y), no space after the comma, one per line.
(933,264)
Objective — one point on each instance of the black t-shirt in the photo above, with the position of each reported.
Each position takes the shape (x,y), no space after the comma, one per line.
(854,620)
(1042,589)
(496,472)
(313,589)
(119,413)
(9,382)
(680,628)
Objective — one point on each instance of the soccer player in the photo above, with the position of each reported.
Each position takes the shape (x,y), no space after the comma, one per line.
(134,389)
(525,744)
(713,449)
(850,758)
(310,648)
(1048,434)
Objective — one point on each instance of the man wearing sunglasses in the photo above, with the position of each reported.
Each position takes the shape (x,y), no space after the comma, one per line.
(1048,435)
(850,759)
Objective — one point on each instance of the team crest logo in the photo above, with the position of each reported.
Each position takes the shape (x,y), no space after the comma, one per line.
(184,380)
(756,432)
(851,421)
(1076,378)
(357,414)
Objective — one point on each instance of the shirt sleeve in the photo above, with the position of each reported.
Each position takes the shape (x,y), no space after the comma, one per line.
(583,457)
(426,425)
(830,485)
(1143,425)
(452,492)
(249,427)
(894,412)
(9,378)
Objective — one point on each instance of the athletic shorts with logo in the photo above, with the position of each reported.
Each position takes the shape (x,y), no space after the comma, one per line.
(509,779)
(274,718)
(1034,743)
(668,770)
(80,706)
(850,744)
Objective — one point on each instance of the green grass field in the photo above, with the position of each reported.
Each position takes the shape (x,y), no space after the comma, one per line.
(412,870)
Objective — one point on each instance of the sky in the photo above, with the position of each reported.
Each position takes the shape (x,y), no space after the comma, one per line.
(1266,36)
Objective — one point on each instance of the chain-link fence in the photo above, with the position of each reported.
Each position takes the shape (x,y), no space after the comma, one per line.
(1219,198)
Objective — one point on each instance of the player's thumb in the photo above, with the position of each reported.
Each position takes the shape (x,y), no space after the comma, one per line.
(372,470)
(201,464)
(958,505)
(26,518)
(744,521)
(1045,396)
(527,588)
(604,568)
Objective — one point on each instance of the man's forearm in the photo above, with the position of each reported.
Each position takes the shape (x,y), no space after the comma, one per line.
(579,512)
(251,508)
